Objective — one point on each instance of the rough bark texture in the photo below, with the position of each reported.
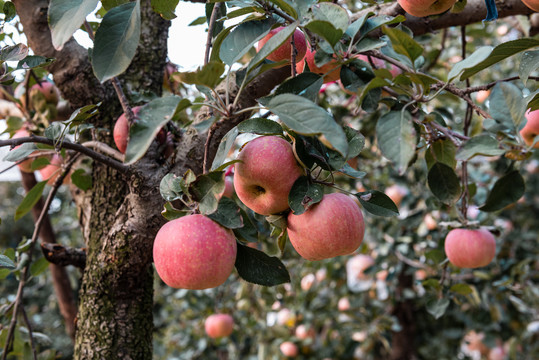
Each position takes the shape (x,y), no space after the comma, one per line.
(403,342)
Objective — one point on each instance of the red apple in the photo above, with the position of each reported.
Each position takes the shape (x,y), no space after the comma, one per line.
(532,4)
(286,317)
(421,8)
(265,175)
(53,170)
(471,249)
(396,193)
(307,282)
(531,129)
(26,165)
(356,266)
(219,325)
(303,332)
(482,95)
(121,130)
(331,70)
(330,228)
(343,304)
(284,52)
(194,252)
(229,187)
(289,349)
(49,91)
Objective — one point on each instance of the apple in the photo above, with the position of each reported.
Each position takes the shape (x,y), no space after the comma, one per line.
(121,130)
(396,193)
(467,248)
(229,187)
(303,332)
(53,170)
(532,4)
(330,228)
(219,325)
(194,252)
(531,129)
(420,274)
(421,8)
(265,175)
(343,304)
(430,222)
(356,266)
(498,352)
(49,90)
(284,52)
(26,165)
(286,317)
(482,95)
(307,282)
(331,70)
(289,349)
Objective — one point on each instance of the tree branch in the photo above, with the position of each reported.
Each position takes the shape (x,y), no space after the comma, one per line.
(63,255)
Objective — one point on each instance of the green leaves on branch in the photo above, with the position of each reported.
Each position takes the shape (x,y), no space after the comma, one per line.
(242,39)
(6,263)
(444,183)
(31,198)
(258,268)
(507,106)
(260,126)
(403,43)
(479,145)
(165,8)
(397,138)
(66,17)
(209,75)
(303,194)
(507,190)
(377,203)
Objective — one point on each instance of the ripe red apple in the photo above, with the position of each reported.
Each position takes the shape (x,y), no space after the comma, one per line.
(331,70)
(26,165)
(482,95)
(396,193)
(265,175)
(121,130)
(421,8)
(330,228)
(356,266)
(471,249)
(303,332)
(229,187)
(53,170)
(194,252)
(284,52)
(343,304)
(219,325)
(531,129)
(532,4)
(289,349)
(49,91)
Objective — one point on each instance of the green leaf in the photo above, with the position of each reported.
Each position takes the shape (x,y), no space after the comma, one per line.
(507,105)
(9,11)
(437,307)
(248,232)
(303,194)
(351,172)
(307,118)
(444,183)
(354,27)
(20,152)
(206,189)
(286,6)
(442,151)
(13,52)
(209,75)
(356,142)
(377,203)
(479,56)
(79,116)
(326,30)
(258,268)
(39,163)
(170,187)
(376,22)
(165,8)
(116,41)
(31,198)
(479,145)
(224,147)
(356,74)
(397,138)
(507,190)
(528,64)
(6,262)
(39,266)
(81,179)
(34,61)
(150,119)
(242,39)
(500,53)
(306,84)
(335,14)
(462,289)
(227,214)
(403,43)
(171,213)
(66,17)
(260,126)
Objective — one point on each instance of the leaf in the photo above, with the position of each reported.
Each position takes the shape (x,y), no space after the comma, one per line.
(39,266)
(507,105)
(209,75)
(528,64)
(351,172)
(442,151)
(354,27)
(356,74)
(170,187)
(66,17)
(462,289)
(260,126)
(356,142)
(39,163)
(116,41)
(506,190)
(500,53)
(150,119)
(479,145)
(224,147)
(9,11)
(20,152)
(165,8)
(227,214)
(286,6)
(306,84)
(397,138)
(6,262)
(326,30)
(307,118)
(335,14)
(258,268)
(31,198)
(13,52)
(248,232)
(377,203)
(242,39)
(82,114)
(34,61)
(437,307)
(303,194)
(169,212)
(81,179)
(376,22)
(403,43)
(444,183)
(206,189)
(480,55)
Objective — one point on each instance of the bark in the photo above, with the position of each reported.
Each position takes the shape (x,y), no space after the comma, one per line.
(403,342)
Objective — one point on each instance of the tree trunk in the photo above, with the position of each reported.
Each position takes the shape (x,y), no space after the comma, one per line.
(403,341)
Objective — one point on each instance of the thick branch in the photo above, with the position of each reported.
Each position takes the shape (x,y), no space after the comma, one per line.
(63,255)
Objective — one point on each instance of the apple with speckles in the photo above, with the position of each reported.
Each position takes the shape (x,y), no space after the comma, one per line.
(422,8)
(470,248)
(219,325)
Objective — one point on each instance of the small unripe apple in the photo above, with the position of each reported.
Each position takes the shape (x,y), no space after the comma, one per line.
(331,70)
(467,248)
(532,4)
(265,175)
(284,52)
(421,8)
(531,129)
(194,252)
(121,130)
(289,349)
(26,165)
(330,228)
(219,325)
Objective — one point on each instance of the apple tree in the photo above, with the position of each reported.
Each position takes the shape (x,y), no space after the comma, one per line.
(385,107)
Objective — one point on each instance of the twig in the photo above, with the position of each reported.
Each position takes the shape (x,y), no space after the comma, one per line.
(105,149)
(490,85)
(207,148)
(30,334)
(89,30)
(410,262)
(211,25)
(123,100)
(465,130)
(63,255)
